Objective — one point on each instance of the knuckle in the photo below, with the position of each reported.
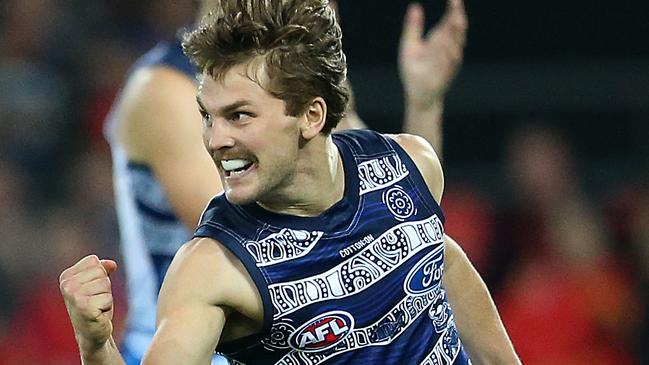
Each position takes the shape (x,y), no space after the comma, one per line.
(99,271)
(63,286)
(64,275)
(93,258)
(67,286)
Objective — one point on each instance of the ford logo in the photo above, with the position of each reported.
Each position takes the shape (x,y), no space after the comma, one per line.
(426,275)
(322,332)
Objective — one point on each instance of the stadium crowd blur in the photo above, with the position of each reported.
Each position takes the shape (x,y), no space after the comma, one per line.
(558,226)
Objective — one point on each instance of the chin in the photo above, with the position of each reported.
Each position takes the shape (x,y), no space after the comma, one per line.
(239,198)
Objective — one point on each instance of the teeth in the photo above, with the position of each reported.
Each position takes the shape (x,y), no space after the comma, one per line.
(230,165)
(234,173)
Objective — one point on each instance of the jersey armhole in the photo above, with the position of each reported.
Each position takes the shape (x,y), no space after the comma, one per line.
(238,250)
(415,174)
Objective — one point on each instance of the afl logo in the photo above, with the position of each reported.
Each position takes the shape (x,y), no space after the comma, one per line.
(322,332)
(426,274)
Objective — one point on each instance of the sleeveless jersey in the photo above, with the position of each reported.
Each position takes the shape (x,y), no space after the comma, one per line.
(150,232)
(358,284)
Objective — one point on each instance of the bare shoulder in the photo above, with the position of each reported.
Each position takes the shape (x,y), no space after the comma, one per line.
(159,125)
(149,84)
(426,159)
(205,270)
(157,102)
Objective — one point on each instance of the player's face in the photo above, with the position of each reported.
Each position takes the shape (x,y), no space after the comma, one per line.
(253,143)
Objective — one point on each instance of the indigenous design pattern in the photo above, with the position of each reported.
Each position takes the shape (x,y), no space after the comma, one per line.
(387,329)
(399,203)
(368,266)
(381,172)
(285,245)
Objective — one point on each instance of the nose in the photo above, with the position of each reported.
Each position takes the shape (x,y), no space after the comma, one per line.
(219,135)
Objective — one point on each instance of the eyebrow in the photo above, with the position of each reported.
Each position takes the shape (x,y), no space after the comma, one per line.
(224,110)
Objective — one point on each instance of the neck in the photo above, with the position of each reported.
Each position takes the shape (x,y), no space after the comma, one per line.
(318,184)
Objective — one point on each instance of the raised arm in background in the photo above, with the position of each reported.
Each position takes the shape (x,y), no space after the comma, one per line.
(427,66)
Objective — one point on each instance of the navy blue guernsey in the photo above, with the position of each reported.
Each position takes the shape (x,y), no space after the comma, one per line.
(358,284)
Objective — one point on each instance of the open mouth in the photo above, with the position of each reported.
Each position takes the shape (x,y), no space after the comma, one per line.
(236,167)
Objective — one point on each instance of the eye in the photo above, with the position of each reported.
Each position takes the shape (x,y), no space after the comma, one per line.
(239,116)
(207,119)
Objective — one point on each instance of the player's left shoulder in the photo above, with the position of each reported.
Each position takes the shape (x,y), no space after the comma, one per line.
(425,158)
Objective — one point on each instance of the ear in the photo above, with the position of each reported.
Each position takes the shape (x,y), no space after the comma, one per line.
(315,117)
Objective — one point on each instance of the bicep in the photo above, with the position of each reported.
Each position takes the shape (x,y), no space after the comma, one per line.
(454,259)
(476,316)
(464,287)
(191,309)
(186,334)
(165,129)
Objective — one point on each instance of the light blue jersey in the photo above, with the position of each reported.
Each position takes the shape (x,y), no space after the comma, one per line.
(150,232)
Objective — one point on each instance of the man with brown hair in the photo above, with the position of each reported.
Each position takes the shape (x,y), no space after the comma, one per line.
(164,179)
(324,247)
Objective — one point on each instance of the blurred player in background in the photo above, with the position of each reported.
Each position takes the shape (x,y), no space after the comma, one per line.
(164,178)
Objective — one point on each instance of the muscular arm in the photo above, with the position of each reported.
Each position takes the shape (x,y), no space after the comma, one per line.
(160,126)
(203,286)
(476,316)
(191,315)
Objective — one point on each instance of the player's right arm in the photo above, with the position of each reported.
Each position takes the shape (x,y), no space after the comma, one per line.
(204,284)
(160,126)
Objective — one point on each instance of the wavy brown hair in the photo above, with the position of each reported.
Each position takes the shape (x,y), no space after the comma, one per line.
(299,42)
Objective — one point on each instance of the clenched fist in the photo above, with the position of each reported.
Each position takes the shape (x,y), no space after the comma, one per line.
(86,289)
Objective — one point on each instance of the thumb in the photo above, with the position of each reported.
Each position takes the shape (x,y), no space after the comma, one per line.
(413,24)
(109,265)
